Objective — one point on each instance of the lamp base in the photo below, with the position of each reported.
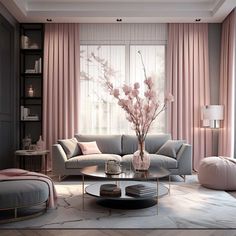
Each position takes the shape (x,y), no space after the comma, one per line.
(214,124)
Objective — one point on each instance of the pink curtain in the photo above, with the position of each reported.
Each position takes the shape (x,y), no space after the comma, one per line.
(61,82)
(188,81)
(227,77)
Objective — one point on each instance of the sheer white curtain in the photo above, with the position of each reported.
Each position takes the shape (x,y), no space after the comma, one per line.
(100,113)
(154,60)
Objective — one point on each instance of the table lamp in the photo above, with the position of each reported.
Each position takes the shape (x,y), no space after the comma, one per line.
(212,115)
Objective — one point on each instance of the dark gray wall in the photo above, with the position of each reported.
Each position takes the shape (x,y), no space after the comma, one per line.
(9,87)
(214,61)
(214,39)
(235,95)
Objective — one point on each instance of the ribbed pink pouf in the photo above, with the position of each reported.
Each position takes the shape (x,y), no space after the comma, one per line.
(218,173)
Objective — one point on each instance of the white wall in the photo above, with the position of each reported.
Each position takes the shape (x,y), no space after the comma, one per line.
(121,33)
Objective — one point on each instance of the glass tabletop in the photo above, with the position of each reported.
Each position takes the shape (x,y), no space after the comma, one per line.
(153,173)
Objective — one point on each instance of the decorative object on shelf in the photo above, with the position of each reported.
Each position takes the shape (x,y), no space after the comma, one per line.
(26,142)
(141,110)
(33,147)
(112,167)
(30,91)
(34,46)
(212,115)
(24,42)
(40,143)
(110,190)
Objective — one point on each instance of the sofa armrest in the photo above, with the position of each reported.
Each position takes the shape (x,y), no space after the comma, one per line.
(58,159)
(184,158)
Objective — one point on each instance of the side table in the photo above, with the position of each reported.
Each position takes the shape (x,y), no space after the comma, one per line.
(31,154)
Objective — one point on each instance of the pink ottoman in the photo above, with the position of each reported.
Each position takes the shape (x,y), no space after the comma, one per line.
(218,173)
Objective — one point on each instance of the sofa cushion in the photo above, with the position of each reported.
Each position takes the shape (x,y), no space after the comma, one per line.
(106,143)
(155,160)
(70,147)
(88,160)
(152,143)
(89,148)
(170,148)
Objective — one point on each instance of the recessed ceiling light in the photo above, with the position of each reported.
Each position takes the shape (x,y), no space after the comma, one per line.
(119,20)
(198,20)
(49,20)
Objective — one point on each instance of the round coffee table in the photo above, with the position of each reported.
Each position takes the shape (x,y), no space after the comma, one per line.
(127,178)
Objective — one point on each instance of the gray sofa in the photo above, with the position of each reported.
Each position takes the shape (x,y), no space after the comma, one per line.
(120,147)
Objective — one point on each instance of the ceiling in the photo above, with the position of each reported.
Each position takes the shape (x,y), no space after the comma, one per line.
(130,11)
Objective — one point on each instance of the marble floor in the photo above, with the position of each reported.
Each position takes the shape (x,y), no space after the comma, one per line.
(188,206)
(117,232)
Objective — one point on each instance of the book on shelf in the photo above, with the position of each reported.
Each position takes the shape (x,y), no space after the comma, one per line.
(38,65)
(22,112)
(25,114)
(31,117)
(30,71)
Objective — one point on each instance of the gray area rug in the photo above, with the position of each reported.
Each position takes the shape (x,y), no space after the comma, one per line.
(189,205)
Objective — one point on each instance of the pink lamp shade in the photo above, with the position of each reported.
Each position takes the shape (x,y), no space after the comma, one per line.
(212,115)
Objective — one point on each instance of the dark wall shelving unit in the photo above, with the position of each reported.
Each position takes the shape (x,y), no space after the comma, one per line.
(31,80)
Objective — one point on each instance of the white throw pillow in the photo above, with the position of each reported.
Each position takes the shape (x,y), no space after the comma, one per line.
(89,148)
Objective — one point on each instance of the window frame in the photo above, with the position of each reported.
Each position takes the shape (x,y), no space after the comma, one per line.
(128,45)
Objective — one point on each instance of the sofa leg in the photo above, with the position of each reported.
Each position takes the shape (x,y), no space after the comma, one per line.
(61,177)
(184,177)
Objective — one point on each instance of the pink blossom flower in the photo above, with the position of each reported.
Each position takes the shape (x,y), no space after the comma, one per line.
(127,89)
(116,93)
(169,97)
(135,92)
(149,82)
(150,94)
(136,85)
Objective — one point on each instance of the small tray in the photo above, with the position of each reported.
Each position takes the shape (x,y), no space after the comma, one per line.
(117,173)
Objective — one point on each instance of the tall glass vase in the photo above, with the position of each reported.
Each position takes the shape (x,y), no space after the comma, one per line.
(141,158)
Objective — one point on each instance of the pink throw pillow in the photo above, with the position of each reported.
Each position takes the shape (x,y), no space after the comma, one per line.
(89,148)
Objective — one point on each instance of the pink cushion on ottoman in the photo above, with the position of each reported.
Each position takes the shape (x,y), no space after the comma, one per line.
(218,173)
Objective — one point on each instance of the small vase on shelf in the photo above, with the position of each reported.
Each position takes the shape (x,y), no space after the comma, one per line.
(30,91)
(141,158)
(40,144)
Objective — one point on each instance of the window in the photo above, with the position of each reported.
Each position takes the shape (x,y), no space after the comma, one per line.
(100,113)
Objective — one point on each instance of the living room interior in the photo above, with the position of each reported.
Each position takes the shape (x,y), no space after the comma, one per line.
(117,117)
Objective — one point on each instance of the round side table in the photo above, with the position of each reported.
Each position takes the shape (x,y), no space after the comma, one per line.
(23,154)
